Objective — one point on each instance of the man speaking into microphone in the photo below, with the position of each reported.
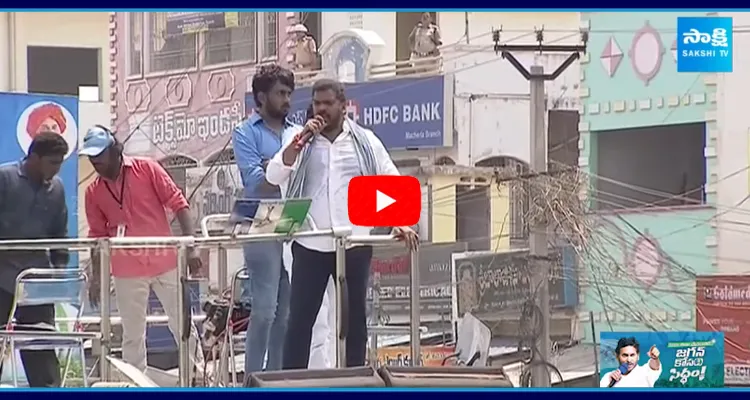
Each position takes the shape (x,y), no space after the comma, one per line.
(630,374)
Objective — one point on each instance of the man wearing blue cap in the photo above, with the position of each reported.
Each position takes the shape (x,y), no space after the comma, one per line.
(129,198)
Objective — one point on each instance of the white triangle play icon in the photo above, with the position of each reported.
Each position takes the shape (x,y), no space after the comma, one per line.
(382,200)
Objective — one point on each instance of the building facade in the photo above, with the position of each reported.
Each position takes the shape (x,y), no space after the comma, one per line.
(733,155)
(490,102)
(180,91)
(648,144)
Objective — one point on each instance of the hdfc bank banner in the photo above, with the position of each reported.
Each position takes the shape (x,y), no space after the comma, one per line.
(403,113)
(723,305)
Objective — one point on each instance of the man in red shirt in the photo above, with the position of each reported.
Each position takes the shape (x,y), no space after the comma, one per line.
(129,198)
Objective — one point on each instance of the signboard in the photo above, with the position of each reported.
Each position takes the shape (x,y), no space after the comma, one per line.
(685,359)
(179,23)
(490,283)
(400,356)
(723,305)
(172,128)
(214,189)
(404,113)
(390,277)
(31,114)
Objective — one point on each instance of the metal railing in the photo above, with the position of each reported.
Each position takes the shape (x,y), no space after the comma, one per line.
(342,237)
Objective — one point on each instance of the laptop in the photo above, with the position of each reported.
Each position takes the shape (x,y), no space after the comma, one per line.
(258,216)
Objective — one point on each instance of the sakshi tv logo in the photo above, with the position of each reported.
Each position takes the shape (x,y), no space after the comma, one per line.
(46,116)
(704,44)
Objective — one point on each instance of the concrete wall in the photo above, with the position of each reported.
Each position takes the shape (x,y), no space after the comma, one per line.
(382,23)
(76,29)
(443,223)
(491,99)
(733,131)
(640,87)
(652,287)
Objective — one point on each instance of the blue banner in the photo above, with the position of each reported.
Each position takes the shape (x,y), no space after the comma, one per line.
(403,113)
(405,393)
(32,113)
(687,359)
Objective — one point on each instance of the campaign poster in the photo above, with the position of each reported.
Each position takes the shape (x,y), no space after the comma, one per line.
(661,359)
(31,114)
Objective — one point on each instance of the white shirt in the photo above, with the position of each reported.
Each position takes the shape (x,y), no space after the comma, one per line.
(640,377)
(331,167)
(323,342)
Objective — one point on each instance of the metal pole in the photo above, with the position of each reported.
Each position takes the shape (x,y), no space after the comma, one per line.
(223,272)
(223,269)
(105,253)
(375,318)
(341,306)
(538,229)
(416,337)
(183,328)
(538,234)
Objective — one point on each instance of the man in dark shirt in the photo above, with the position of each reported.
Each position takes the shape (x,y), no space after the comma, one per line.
(32,206)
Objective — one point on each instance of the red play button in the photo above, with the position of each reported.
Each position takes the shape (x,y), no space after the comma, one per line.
(384,201)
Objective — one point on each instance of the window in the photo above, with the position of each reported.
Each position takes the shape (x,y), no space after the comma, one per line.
(170,52)
(270,34)
(135,46)
(233,44)
(473,216)
(562,139)
(61,70)
(658,166)
(254,39)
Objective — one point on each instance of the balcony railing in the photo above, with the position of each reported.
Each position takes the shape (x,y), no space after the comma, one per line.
(417,68)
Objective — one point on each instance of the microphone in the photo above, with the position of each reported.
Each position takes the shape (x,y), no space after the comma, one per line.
(623,368)
(310,139)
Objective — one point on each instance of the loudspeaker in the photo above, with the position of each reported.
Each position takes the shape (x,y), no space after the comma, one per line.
(435,377)
(316,378)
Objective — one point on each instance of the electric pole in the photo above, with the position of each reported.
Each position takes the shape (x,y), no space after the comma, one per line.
(538,243)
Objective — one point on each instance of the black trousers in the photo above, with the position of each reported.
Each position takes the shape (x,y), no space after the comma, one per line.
(41,366)
(310,273)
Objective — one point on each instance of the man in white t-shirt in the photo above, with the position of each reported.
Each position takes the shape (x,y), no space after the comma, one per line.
(637,376)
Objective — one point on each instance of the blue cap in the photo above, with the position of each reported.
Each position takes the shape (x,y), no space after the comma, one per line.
(96,141)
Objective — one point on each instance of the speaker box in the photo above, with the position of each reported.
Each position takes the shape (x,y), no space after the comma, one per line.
(436,377)
(357,377)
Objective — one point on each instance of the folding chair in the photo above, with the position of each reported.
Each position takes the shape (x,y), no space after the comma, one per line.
(47,286)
